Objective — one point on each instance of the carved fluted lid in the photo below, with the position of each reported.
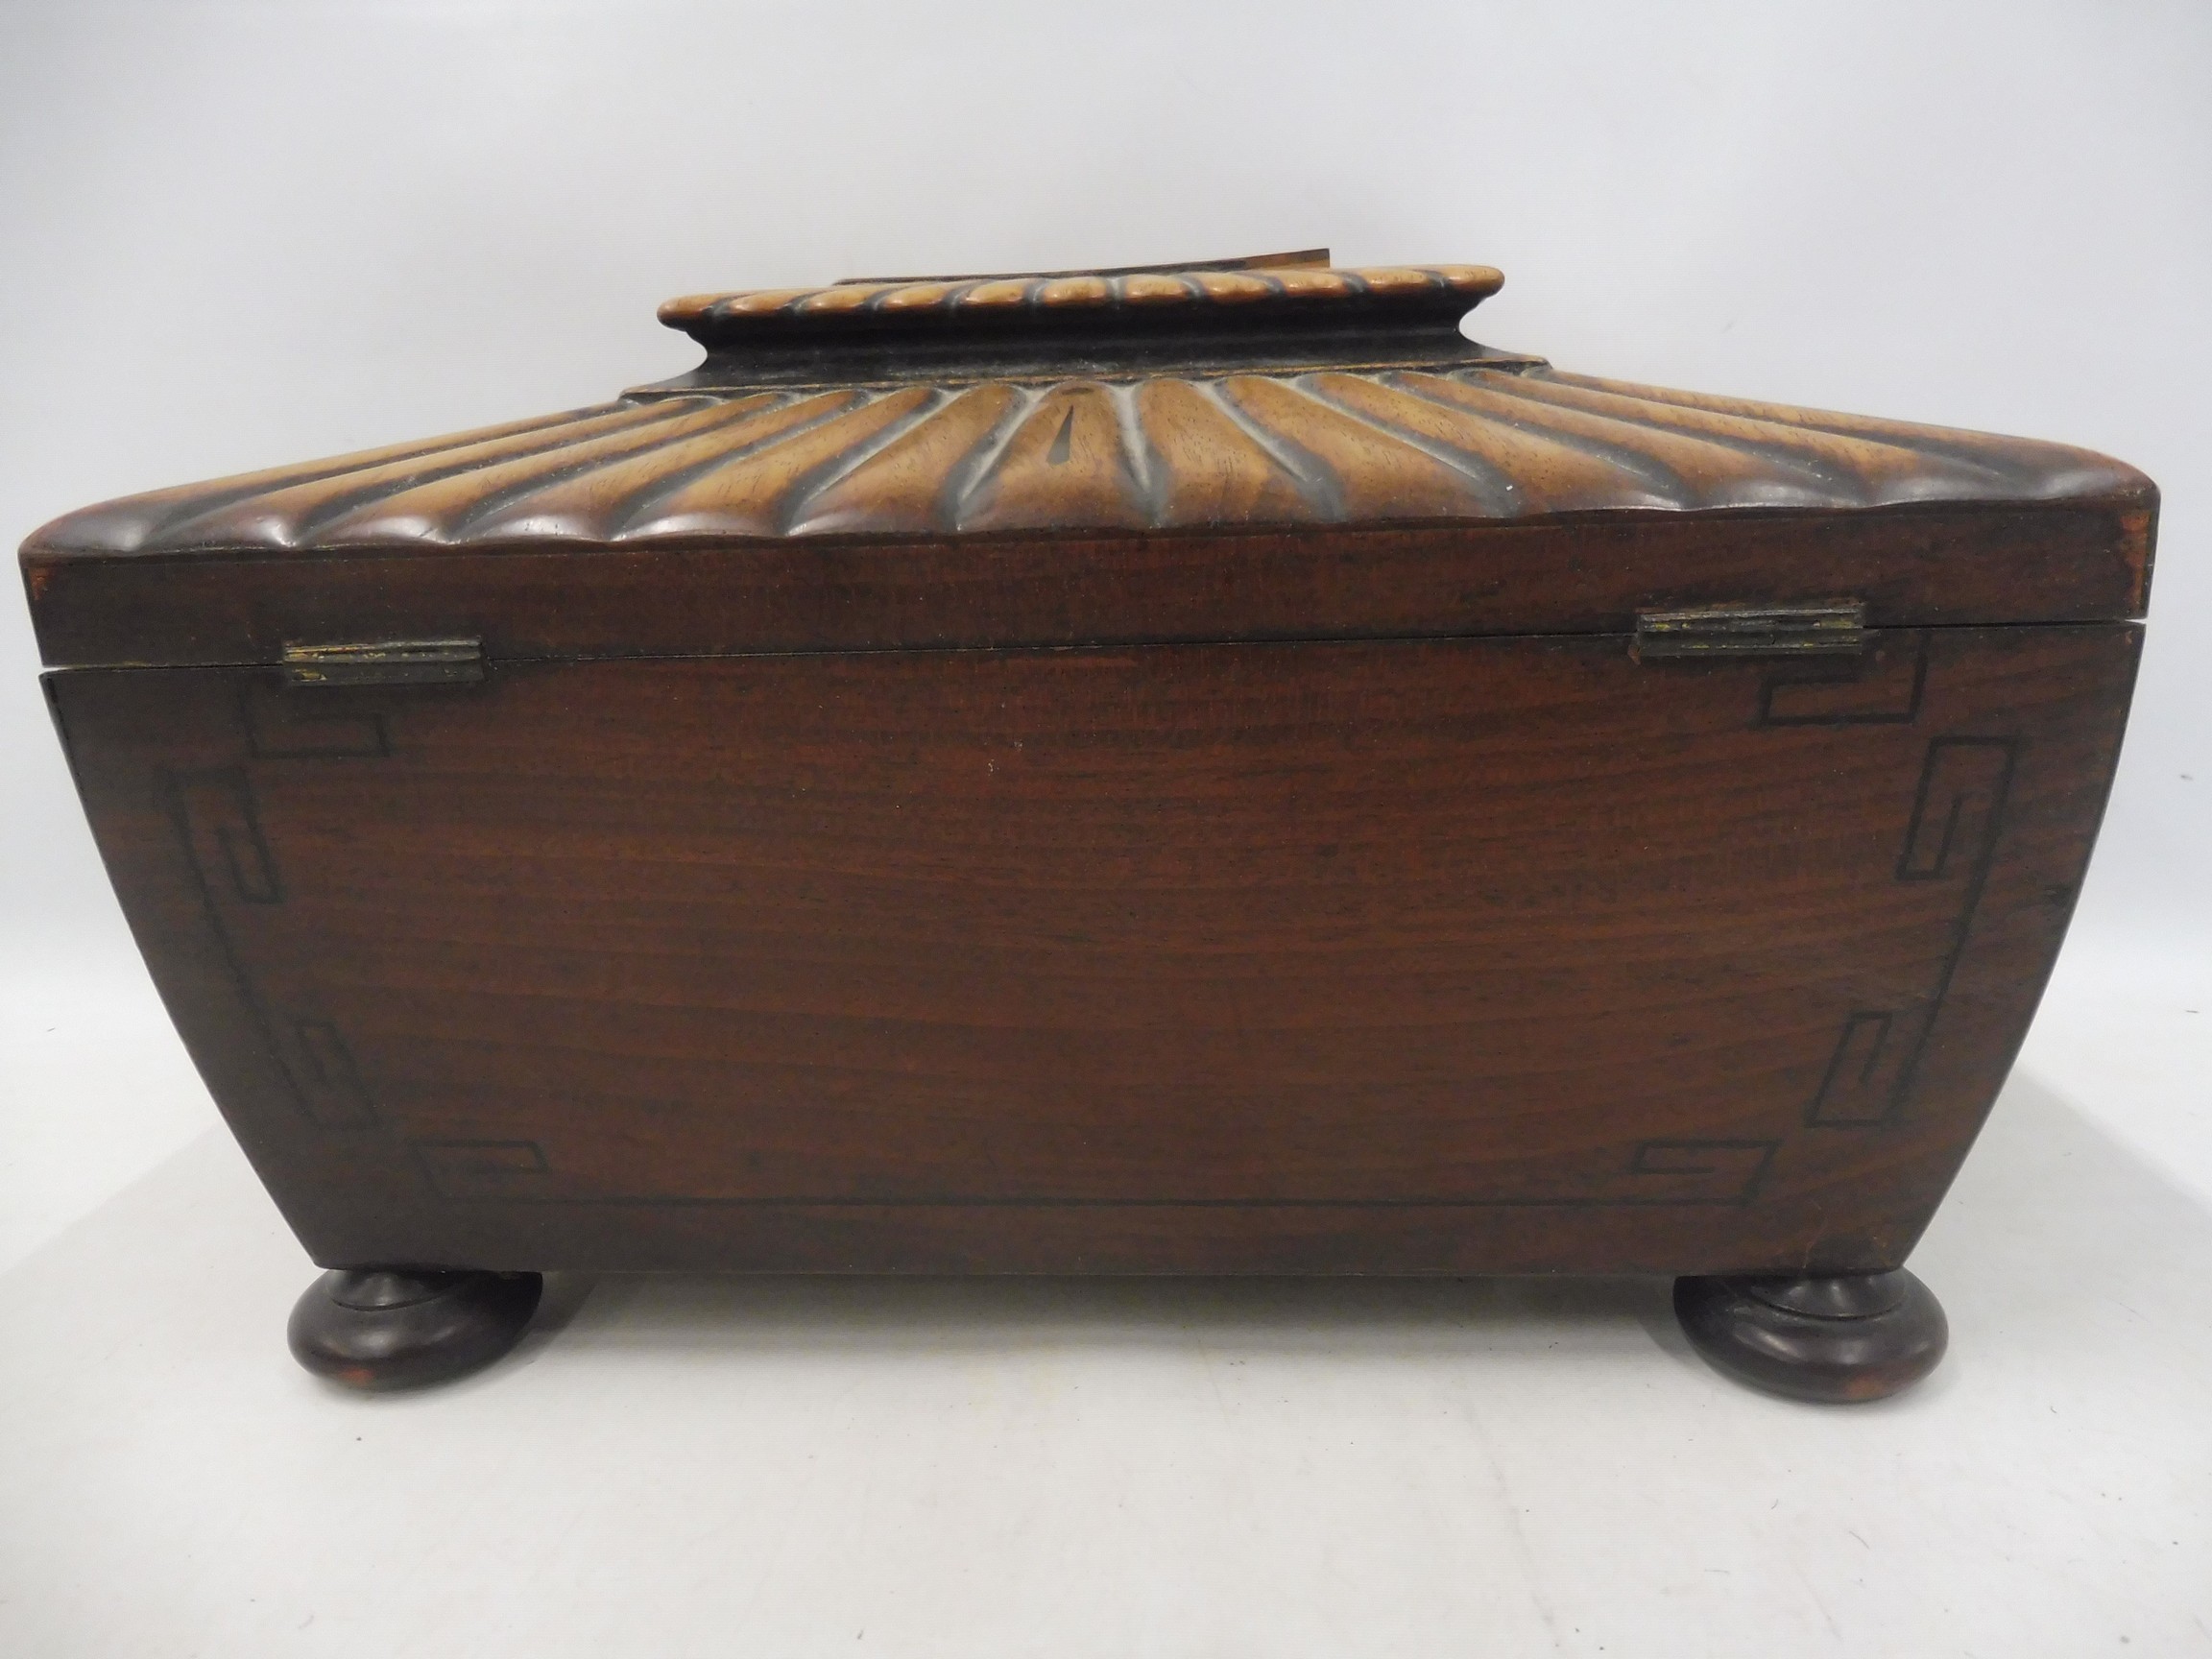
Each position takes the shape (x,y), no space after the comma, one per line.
(1277,395)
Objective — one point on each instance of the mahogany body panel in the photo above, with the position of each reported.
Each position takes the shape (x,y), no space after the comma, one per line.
(1454,955)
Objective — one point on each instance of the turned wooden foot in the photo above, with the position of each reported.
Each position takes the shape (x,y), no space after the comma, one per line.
(1835,1339)
(397,1329)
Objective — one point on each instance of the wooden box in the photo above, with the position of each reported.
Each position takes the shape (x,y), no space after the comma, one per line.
(1154,772)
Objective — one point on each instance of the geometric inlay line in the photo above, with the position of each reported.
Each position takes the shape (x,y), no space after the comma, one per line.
(1953,835)
(481,1169)
(1664,1173)
(1856,1087)
(321,1069)
(224,834)
(1954,815)
(221,832)
(295,726)
(1701,1171)
(1882,689)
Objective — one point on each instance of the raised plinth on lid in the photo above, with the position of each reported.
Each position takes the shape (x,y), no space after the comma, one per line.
(1275,311)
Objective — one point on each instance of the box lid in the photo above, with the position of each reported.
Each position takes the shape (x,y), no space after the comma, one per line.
(1243,448)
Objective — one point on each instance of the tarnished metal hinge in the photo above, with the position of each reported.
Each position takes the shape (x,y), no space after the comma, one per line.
(1831,629)
(386,663)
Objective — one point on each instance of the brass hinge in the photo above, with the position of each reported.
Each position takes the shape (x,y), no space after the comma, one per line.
(386,663)
(1831,629)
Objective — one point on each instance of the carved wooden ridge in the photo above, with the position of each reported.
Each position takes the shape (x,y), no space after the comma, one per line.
(713,317)
(1166,451)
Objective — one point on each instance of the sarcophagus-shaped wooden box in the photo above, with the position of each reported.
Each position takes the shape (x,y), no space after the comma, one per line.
(1153,772)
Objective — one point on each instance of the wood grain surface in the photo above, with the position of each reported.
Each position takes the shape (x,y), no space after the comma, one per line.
(1455,955)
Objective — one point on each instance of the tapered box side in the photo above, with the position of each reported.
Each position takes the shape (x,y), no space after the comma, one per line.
(1449,956)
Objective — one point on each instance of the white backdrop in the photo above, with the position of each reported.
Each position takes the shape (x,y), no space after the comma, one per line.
(234,234)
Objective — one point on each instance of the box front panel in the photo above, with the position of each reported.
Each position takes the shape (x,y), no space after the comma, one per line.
(1458,956)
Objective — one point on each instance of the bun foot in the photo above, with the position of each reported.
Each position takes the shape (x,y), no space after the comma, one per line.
(381,1329)
(1836,1340)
